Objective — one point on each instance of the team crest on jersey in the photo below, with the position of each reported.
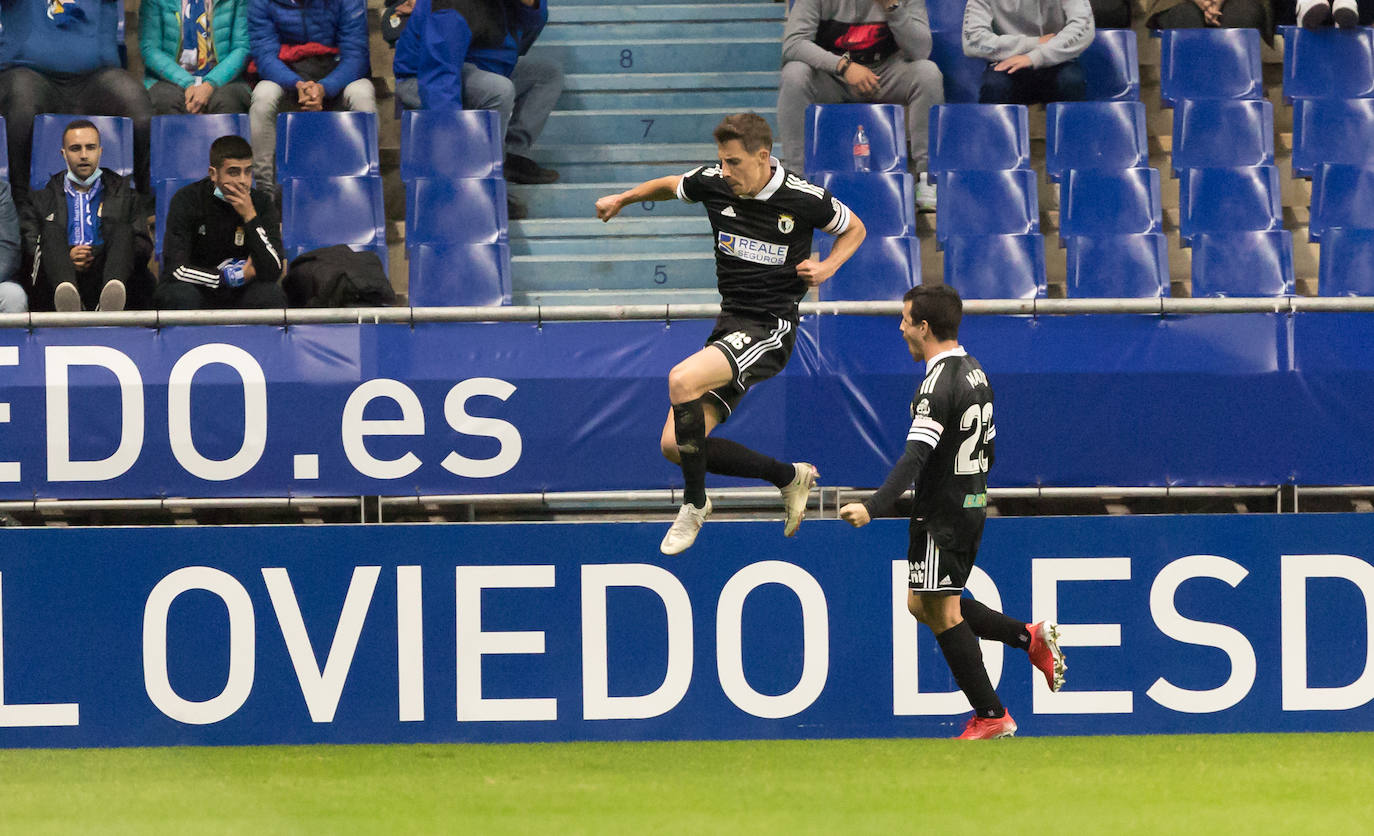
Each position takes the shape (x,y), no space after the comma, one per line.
(748,249)
(923,408)
(786,223)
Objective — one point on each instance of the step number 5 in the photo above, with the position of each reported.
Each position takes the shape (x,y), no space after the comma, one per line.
(660,276)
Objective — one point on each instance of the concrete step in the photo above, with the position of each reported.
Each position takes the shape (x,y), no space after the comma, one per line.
(649,30)
(566,13)
(616,297)
(577,200)
(631,126)
(621,227)
(610,245)
(676,153)
(718,101)
(626,271)
(664,56)
(632,173)
(661,82)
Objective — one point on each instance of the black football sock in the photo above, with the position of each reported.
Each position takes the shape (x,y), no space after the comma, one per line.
(988,623)
(730,458)
(689,426)
(965,660)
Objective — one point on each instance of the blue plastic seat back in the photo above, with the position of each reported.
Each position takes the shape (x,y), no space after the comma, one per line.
(163,190)
(1223,132)
(963,75)
(116,142)
(319,211)
(946,14)
(1210,64)
(1117,266)
(978,136)
(1111,66)
(986,203)
(883,268)
(1096,201)
(996,266)
(327,144)
(451,143)
(1342,196)
(885,202)
(1327,63)
(179,147)
(1332,131)
(1094,135)
(1229,200)
(1345,263)
(830,131)
(456,211)
(459,274)
(1251,263)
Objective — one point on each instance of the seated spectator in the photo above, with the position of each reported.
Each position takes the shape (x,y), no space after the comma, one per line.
(85,233)
(223,244)
(859,51)
(194,54)
(456,54)
(311,55)
(1227,14)
(62,56)
(13,299)
(1032,47)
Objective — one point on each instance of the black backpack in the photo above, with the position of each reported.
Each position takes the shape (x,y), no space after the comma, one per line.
(337,277)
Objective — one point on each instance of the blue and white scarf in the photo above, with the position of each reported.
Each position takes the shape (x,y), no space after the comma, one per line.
(83,212)
(197,48)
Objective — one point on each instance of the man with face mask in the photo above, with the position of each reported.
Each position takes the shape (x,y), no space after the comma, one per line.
(223,244)
(85,236)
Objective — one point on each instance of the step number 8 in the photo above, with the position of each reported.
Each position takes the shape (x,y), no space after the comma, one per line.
(627,58)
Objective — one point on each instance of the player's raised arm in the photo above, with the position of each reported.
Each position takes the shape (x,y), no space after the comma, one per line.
(662,188)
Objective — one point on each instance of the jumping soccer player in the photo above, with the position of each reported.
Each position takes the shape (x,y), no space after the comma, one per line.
(949,449)
(763,217)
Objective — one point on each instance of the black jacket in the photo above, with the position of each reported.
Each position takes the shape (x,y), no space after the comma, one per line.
(123,254)
(204,230)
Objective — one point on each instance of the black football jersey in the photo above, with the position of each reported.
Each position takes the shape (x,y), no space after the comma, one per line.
(952,412)
(760,240)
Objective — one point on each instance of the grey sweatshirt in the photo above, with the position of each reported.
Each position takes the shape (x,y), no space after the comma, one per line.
(995,30)
(811,21)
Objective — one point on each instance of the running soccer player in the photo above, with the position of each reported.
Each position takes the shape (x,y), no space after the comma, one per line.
(763,217)
(949,449)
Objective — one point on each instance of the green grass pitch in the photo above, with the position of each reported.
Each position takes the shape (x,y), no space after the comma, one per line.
(1246,784)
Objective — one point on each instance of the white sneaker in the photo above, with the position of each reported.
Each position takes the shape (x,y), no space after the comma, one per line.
(795,495)
(684,531)
(1313,13)
(1345,14)
(112,296)
(925,194)
(66,298)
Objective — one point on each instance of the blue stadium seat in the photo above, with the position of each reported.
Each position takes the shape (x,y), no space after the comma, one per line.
(1104,202)
(451,143)
(963,75)
(327,144)
(946,14)
(1332,131)
(1209,64)
(1111,66)
(830,133)
(996,266)
(886,202)
(1117,266)
(1229,200)
(1253,263)
(883,268)
(162,193)
(116,140)
(1222,132)
(1345,263)
(1327,63)
(1094,135)
(179,148)
(987,202)
(459,274)
(458,211)
(978,136)
(1342,196)
(319,211)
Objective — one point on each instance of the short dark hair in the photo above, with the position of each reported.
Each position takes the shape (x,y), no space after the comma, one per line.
(76,125)
(750,129)
(940,306)
(230,147)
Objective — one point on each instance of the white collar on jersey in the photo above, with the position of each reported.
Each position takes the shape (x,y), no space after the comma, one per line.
(774,183)
(957,351)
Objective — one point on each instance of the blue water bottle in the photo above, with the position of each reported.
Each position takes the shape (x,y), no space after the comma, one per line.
(861,150)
